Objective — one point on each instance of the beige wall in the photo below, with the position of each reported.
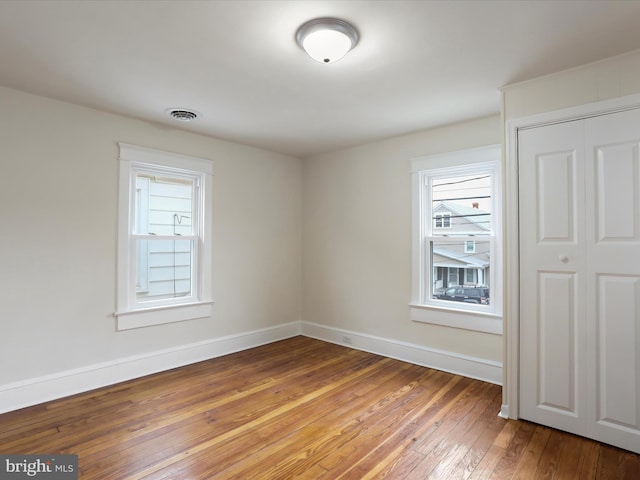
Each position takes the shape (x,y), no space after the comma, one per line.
(58,207)
(611,78)
(357,238)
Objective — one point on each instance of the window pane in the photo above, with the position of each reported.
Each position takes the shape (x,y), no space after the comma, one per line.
(454,266)
(163,205)
(461,205)
(471,279)
(168,269)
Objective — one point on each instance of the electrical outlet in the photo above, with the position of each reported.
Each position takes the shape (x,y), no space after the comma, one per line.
(347,340)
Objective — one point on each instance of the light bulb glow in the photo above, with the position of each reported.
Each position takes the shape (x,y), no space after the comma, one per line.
(326,46)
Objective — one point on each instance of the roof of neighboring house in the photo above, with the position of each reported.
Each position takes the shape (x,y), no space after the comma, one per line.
(480,218)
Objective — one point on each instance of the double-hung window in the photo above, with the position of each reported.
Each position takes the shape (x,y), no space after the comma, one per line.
(456,239)
(164,240)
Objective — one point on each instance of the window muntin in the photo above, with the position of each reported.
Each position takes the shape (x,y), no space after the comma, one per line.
(467,253)
(169,271)
(466,200)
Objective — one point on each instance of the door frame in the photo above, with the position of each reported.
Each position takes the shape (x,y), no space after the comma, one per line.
(511,372)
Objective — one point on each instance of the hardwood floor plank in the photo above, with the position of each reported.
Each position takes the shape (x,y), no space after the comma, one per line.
(203,445)
(588,460)
(613,465)
(303,408)
(629,466)
(367,426)
(513,453)
(283,431)
(464,437)
(421,423)
(447,445)
(490,425)
(165,422)
(571,457)
(506,434)
(532,454)
(488,464)
(547,465)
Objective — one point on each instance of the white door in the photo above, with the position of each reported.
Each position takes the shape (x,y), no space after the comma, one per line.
(579,214)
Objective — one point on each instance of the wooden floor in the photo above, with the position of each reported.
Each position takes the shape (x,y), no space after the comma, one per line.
(301,408)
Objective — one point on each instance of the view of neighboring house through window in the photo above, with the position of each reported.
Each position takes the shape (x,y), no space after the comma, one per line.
(165,235)
(164,241)
(456,245)
(462,251)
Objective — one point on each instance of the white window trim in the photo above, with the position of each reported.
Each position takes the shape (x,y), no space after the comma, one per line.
(129,314)
(142,260)
(465,316)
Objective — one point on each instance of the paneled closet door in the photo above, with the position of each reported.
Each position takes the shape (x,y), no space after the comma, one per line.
(553,346)
(580,277)
(613,267)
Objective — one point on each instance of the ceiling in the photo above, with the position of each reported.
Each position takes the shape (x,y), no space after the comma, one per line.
(418,64)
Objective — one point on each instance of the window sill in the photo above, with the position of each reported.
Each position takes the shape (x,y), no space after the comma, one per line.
(146,317)
(487,322)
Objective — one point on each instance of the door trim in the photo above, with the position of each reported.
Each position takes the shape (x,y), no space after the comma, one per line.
(511,329)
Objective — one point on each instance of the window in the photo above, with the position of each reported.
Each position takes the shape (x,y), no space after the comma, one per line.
(456,239)
(471,277)
(164,241)
(470,246)
(442,220)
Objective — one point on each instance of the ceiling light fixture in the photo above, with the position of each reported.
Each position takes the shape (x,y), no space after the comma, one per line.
(327,40)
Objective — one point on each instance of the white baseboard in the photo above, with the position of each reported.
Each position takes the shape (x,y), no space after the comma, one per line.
(50,387)
(504,411)
(473,367)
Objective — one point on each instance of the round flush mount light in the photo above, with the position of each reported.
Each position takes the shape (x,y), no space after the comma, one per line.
(182,115)
(327,40)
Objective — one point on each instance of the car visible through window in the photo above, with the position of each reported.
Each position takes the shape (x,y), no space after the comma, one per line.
(465,294)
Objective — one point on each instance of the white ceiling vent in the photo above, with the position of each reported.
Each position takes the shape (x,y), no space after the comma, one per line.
(183,115)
